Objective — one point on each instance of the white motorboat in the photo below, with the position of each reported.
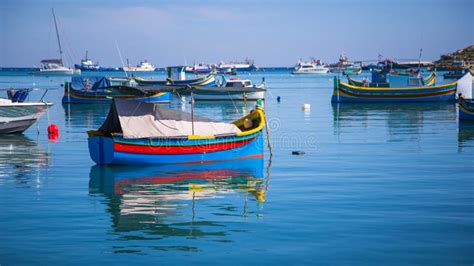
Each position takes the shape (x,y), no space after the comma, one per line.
(233,89)
(17,116)
(311,67)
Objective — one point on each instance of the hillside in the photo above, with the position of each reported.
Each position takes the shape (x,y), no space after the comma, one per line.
(466,55)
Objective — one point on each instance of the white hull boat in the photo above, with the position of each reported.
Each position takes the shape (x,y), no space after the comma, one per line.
(18,117)
(233,90)
(51,67)
(312,68)
(56,71)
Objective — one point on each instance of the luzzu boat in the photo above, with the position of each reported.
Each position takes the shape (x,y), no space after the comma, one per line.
(145,133)
(103,90)
(466,109)
(345,92)
(208,80)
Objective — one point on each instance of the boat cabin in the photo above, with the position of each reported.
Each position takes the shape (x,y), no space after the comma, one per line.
(238,83)
(51,64)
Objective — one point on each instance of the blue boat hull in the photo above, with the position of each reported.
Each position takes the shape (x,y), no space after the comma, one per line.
(466,110)
(102,151)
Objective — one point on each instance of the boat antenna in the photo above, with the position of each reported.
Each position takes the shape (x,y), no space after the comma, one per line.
(57,35)
(86,54)
(121,59)
(192,112)
(419,60)
(184,57)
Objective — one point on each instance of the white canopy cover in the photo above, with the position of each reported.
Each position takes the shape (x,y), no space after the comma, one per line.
(136,119)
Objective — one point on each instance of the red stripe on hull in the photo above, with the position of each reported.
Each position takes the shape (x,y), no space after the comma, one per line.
(141,149)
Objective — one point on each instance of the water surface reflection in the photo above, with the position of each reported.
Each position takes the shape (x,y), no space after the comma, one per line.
(20,159)
(401,121)
(179,201)
(465,136)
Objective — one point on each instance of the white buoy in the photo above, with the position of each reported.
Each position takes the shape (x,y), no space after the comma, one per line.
(306,106)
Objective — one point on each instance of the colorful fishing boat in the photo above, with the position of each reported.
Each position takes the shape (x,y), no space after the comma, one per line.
(466,109)
(103,90)
(145,133)
(208,80)
(345,92)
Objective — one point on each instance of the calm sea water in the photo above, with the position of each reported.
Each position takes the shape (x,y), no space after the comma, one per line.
(378,184)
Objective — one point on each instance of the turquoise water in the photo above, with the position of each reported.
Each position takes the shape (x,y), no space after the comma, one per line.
(378,184)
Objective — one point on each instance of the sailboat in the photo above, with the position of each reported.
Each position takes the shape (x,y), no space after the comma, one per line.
(55,66)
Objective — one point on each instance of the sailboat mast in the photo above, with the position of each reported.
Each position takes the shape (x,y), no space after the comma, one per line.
(57,35)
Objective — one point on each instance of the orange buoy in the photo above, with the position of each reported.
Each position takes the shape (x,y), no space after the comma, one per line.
(53,132)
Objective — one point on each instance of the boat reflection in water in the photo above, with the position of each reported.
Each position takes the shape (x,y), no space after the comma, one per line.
(21,159)
(465,136)
(403,121)
(163,202)
(85,115)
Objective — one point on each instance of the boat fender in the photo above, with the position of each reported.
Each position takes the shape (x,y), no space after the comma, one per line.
(278,99)
(53,132)
(298,152)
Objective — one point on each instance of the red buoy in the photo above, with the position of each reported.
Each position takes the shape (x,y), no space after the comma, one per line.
(53,132)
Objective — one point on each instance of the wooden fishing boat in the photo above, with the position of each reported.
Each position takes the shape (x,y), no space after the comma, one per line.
(102,90)
(466,109)
(145,133)
(344,92)
(208,80)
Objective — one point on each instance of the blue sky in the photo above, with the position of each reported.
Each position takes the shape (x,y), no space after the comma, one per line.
(273,33)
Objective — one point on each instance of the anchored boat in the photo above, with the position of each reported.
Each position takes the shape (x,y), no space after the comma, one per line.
(345,92)
(144,66)
(16,115)
(311,67)
(234,89)
(146,133)
(104,89)
(55,66)
(177,77)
